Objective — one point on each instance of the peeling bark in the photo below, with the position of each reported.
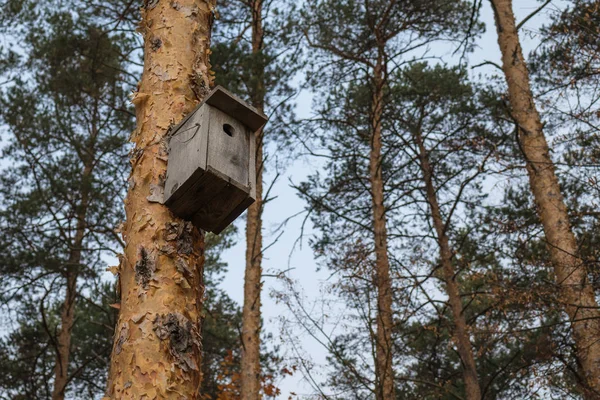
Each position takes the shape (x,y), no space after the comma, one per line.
(251,315)
(384,389)
(144,267)
(575,290)
(182,337)
(157,346)
(461,331)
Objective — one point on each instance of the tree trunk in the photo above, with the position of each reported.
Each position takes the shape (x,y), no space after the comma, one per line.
(251,315)
(461,334)
(575,290)
(383,364)
(157,346)
(67,317)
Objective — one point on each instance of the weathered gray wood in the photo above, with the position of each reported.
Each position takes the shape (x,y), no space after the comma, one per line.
(223,208)
(205,186)
(230,155)
(211,175)
(243,206)
(223,100)
(187,154)
(252,166)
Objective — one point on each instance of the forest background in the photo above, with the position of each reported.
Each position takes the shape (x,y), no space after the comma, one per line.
(302,309)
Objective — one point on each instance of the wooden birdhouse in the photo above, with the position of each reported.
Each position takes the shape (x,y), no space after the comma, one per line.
(211,175)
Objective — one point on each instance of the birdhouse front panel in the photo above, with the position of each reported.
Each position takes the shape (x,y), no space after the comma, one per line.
(211,173)
(229,146)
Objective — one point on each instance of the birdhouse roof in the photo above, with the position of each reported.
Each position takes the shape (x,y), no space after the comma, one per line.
(236,108)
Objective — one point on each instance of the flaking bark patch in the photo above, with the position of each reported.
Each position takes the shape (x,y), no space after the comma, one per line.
(199,86)
(131,184)
(182,338)
(184,269)
(185,241)
(150,4)
(135,155)
(123,335)
(156,194)
(144,267)
(167,249)
(155,44)
(182,234)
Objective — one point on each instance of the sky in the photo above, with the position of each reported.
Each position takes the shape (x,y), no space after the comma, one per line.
(288,254)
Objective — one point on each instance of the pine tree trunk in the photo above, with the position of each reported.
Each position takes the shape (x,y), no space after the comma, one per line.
(383,364)
(157,346)
(63,340)
(461,335)
(251,315)
(575,290)
(67,317)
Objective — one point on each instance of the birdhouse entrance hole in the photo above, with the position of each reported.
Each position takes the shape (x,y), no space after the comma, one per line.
(229,130)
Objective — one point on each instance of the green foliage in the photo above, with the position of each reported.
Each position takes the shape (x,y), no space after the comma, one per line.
(66,120)
(59,125)
(569,50)
(27,353)
(468,139)
(352,35)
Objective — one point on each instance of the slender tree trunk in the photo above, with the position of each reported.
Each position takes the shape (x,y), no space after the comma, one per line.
(251,315)
(383,364)
(575,290)
(157,346)
(67,317)
(461,334)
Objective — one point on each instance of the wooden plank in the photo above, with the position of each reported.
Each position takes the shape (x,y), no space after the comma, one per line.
(237,108)
(233,215)
(225,101)
(228,147)
(252,165)
(187,153)
(199,195)
(215,215)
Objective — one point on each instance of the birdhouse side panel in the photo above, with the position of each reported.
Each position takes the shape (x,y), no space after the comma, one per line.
(252,167)
(229,147)
(187,155)
(228,202)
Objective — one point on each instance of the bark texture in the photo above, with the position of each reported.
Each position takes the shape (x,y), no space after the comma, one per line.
(461,331)
(383,364)
(157,346)
(576,293)
(250,378)
(67,317)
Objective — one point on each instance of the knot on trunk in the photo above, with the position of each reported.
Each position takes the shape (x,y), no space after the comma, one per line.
(144,267)
(182,337)
(183,234)
(155,43)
